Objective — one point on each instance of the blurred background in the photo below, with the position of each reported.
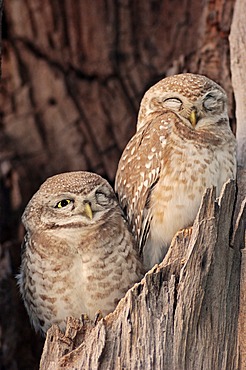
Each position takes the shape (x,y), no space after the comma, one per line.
(73,75)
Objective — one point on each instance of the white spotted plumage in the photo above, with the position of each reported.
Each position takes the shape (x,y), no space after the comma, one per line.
(183,145)
(78,254)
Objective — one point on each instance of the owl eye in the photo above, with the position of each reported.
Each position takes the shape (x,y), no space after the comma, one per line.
(63,203)
(210,102)
(213,101)
(102,198)
(173,103)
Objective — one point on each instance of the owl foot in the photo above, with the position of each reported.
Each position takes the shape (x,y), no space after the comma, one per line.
(84,318)
(98,317)
(187,232)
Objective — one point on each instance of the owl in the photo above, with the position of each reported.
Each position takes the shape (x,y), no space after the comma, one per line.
(78,254)
(183,145)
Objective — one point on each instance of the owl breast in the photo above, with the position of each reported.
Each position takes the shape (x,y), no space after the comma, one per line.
(176,198)
(58,280)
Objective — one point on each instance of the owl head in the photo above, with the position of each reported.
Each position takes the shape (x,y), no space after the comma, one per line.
(195,99)
(69,201)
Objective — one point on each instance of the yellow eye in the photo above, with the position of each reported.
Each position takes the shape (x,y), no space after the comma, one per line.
(63,203)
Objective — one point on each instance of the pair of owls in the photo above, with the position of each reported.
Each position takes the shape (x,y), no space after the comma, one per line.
(80,253)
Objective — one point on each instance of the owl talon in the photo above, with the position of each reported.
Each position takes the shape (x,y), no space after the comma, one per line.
(98,317)
(84,318)
(187,232)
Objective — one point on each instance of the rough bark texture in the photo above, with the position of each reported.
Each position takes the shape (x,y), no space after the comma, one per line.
(75,71)
(183,315)
(238,68)
(73,75)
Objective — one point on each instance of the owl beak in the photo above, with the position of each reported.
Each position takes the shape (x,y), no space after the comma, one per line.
(88,211)
(193,118)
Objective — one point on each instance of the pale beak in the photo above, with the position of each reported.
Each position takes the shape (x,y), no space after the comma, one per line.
(88,211)
(193,118)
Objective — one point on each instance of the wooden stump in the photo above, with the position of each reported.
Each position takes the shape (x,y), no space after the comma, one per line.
(182,315)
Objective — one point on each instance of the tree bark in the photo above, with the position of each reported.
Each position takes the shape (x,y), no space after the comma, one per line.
(74,74)
(238,67)
(183,314)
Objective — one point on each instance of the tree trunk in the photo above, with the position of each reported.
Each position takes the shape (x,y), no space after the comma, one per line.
(183,314)
(238,68)
(74,74)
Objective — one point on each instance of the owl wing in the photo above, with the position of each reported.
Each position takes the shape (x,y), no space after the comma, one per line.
(24,244)
(138,173)
(20,277)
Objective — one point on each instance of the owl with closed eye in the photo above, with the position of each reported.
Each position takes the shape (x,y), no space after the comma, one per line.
(183,145)
(78,255)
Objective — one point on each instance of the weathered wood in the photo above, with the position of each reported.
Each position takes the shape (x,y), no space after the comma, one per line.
(183,314)
(238,66)
(74,73)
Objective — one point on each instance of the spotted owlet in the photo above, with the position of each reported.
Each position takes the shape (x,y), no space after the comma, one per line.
(78,254)
(182,146)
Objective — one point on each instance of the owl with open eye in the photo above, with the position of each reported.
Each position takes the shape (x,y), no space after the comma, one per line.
(78,255)
(182,146)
